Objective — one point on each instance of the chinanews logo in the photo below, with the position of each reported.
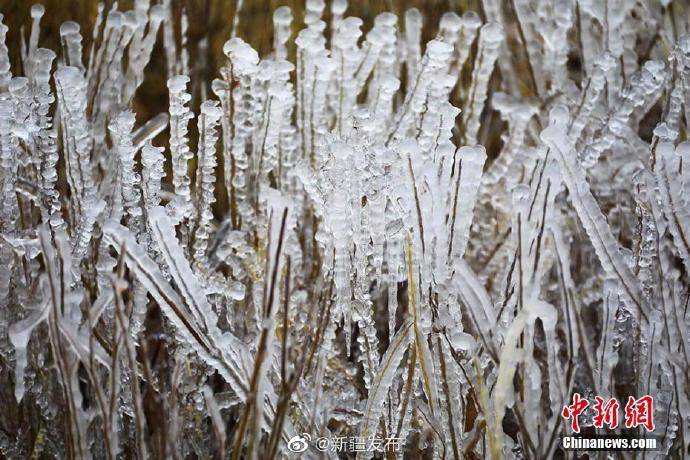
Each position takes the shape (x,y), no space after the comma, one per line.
(638,412)
(603,413)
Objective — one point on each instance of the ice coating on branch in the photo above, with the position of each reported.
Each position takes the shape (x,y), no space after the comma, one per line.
(244,58)
(5,71)
(9,165)
(282,18)
(431,80)
(640,91)
(19,335)
(490,38)
(389,364)
(470,162)
(72,98)
(600,235)
(192,324)
(143,40)
(462,42)
(673,201)
(413,32)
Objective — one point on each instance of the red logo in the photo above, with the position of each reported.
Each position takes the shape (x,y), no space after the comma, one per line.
(606,414)
(638,412)
(574,410)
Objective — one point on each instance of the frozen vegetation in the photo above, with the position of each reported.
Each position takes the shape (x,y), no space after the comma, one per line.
(318,241)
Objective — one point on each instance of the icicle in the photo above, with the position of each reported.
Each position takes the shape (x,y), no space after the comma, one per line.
(71,39)
(37,12)
(8,165)
(5,70)
(413,35)
(180,115)
(468,170)
(346,54)
(183,67)
(643,87)
(206,178)
(46,137)
(130,189)
(8,210)
(313,11)
(490,38)
(152,162)
(243,59)
(282,18)
(19,335)
(76,129)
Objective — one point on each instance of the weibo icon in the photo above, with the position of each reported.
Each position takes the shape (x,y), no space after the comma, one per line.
(299,443)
